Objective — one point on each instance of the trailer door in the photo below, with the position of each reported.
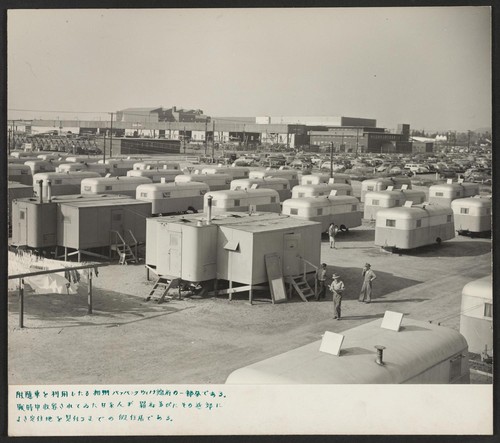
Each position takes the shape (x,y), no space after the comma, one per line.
(291,251)
(117,220)
(174,253)
(23,227)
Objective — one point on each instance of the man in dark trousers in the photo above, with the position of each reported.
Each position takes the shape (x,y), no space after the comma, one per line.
(321,277)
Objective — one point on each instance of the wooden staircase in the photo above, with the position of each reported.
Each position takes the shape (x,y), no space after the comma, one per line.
(161,288)
(299,283)
(124,248)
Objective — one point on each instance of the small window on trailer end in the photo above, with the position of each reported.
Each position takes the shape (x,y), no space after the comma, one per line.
(488,310)
(448,218)
(273,199)
(294,211)
(390,223)
(464,210)
(108,188)
(237,203)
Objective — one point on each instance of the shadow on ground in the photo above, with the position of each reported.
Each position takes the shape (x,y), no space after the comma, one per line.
(383,286)
(451,248)
(109,309)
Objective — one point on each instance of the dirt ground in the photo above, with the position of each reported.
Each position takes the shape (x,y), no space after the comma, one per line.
(129,340)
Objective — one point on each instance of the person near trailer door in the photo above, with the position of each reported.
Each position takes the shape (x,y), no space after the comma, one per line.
(337,287)
(321,278)
(366,290)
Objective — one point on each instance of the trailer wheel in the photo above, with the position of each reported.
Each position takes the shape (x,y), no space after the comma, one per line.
(344,228)
(438,241)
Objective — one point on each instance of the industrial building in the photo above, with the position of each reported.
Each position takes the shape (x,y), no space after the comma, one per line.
(158,130)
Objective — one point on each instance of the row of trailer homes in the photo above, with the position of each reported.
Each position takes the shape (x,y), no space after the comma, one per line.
(232,229)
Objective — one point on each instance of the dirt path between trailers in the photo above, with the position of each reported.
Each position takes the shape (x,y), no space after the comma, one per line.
(128,340)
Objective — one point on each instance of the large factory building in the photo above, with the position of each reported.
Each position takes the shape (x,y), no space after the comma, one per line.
(166,129)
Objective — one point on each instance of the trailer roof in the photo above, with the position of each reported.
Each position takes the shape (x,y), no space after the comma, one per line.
(173,185)
(321,201)
(108,202)
(395,193)
(126,179)
(416,211)
(415,348)
(481,288)
(243,193)
(276,224)
(472,202)
(72,174)
(223,218)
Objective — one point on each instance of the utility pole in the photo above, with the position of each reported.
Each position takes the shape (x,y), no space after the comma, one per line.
(104,149)
(111,137)
(184,138)
(206,137)
(468,140)
(213,142)
(331,160)
(357,142)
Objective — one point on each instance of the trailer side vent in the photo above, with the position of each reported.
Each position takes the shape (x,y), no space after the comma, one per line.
(232,245)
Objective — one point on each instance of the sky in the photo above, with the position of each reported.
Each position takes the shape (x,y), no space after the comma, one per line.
(426,66)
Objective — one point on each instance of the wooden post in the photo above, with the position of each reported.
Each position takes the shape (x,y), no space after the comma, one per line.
(65,253)
(230,290)
(250,294)
(21,302)
(79,256)
(147,273)
(215,287)
(89,300)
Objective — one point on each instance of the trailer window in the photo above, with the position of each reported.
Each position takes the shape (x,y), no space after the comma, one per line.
(236,203)
(354,208)
(21,215)
(419,223)
(369,188)
(448,218)
(464,210)
(273,199)
(375,202)
(348,193)
(25,172)
(294,211)
(320,211)
(117,217)
(439,194)
(457,193)
(455,367)
(488,310)
(301,194)
(108,188)
(398,203)
(284,187)
(390,223)
(144,194)
(166,194)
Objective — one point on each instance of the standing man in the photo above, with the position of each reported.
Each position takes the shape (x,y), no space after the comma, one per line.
(337,287)
(321,277)
(332,232)
(366,289)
